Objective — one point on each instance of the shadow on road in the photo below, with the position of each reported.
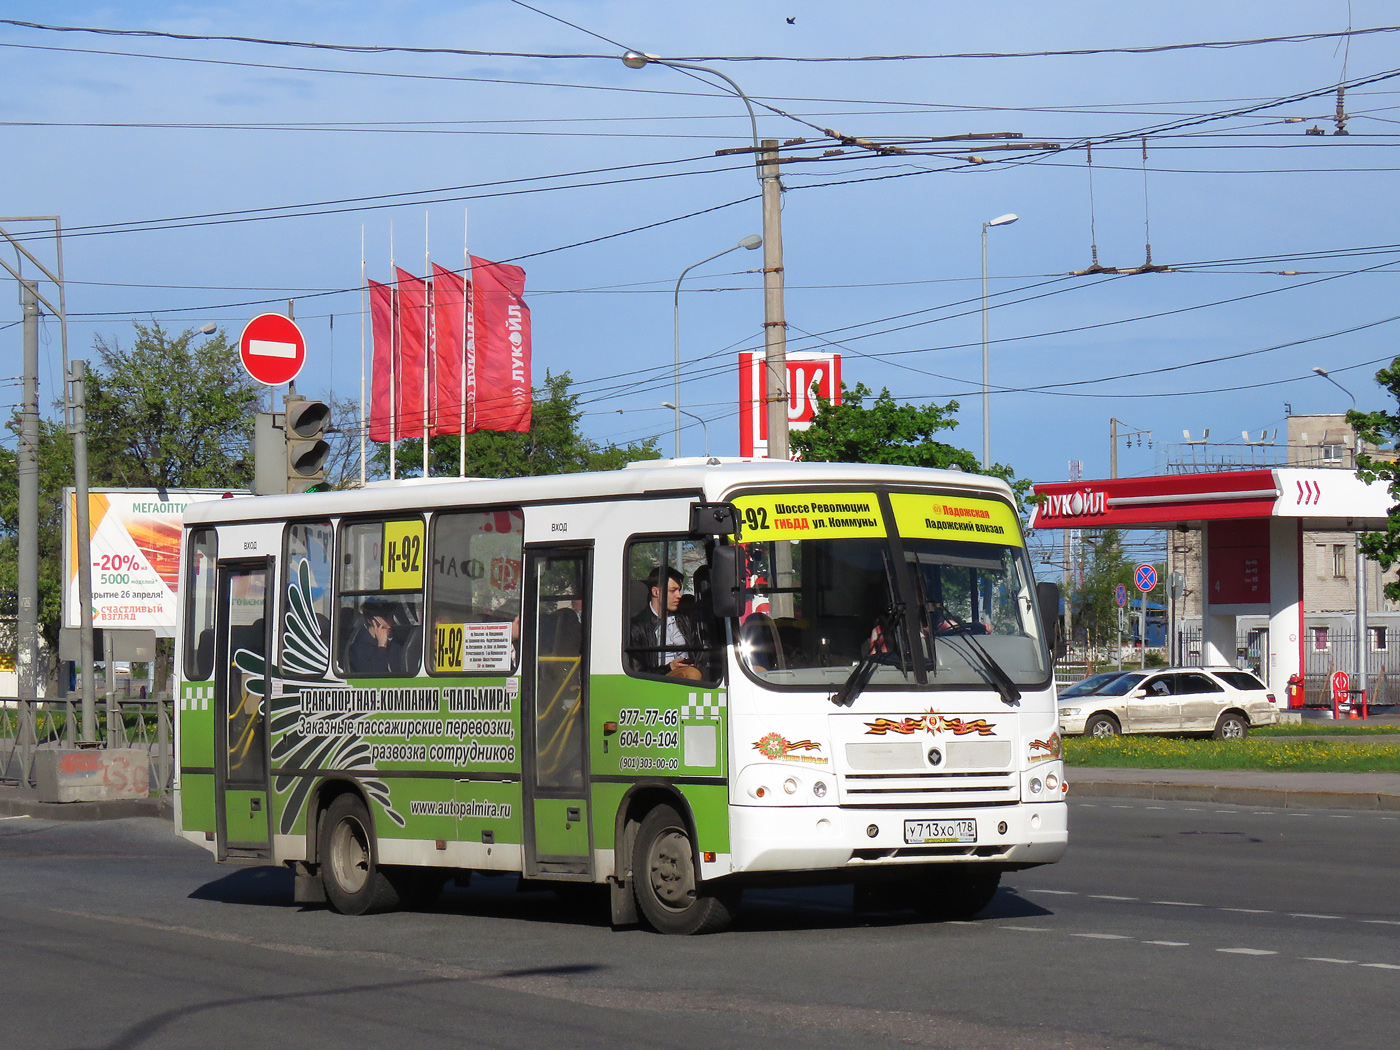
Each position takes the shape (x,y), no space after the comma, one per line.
(262,886)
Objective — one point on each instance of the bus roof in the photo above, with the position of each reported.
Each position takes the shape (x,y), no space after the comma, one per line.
(709,479)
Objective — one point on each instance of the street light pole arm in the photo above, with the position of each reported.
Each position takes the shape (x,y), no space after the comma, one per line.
(692,266)
(635,60)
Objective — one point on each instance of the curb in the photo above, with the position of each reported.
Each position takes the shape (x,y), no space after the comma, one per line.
(1279,798)
(106,809)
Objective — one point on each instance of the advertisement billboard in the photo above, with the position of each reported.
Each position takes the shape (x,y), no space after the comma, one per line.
(135,555)
(808,373)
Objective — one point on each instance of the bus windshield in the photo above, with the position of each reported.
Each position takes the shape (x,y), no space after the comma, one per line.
(816,607)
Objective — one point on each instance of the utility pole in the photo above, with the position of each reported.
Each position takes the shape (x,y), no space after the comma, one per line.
(774,317)
(1112,447)
(27,464)
(77,403)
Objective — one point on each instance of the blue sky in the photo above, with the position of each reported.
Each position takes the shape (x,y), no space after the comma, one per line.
(174,128)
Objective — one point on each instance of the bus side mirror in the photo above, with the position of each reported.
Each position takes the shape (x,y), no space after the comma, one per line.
(713,519)
(726,582)
(1047,597)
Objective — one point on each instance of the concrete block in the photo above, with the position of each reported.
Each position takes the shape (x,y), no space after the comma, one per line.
(92,775)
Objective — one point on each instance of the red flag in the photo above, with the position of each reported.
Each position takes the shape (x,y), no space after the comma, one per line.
(381,407)
(502,328)
(448,342)
(413,292)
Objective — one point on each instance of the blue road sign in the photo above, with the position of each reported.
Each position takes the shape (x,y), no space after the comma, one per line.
(1120,595)
(1145,576)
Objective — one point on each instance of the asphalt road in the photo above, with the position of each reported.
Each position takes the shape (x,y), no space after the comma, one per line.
(1169,925)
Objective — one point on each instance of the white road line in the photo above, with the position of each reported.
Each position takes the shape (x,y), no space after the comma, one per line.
(1381,966)
(1170,944)
(1103,936)
(1156,807)
(1122,807)
(1341,816)
(1382,922)
(1028,929)
(1179,904)
(1109,897)
(1059,893)
(1339,962)
(22,816)
(1249,911)
(1306,915)
(1245,951)
(1300,814)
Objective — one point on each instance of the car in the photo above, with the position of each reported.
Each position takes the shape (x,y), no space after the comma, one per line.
(1224,702)
(1092,684)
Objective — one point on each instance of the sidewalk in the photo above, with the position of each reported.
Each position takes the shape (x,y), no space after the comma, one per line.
(1242,787)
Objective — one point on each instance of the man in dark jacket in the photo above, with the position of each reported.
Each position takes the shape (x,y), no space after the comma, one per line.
(674,652)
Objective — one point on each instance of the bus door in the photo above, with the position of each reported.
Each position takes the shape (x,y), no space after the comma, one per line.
(244,619)
(554,711)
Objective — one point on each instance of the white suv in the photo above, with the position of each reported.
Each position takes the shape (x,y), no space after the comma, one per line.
(1221,701)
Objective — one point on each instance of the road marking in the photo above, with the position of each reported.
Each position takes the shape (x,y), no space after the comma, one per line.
(1382,922)
(1109,897)
(1028,929)
(1245,951)
(1170,944)
(1300,814)
(1122,807)
(1381,966)
(1059,893)
(1102,936)
(1179,904)
(1306,915)
(1249,911)
(1157,807)
(22,816)
(1339,962)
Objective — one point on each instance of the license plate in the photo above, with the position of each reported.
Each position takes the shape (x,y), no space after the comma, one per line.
(936,832)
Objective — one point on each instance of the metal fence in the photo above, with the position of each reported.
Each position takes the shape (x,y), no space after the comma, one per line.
(144,724)
(1339,654)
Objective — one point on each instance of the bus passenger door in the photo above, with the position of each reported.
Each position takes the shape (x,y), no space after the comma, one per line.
(555,711)
(243,616)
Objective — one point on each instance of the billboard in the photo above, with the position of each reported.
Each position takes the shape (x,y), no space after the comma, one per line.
(135,555)
(805,370)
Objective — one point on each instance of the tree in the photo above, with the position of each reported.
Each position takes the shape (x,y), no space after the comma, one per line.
(1382,429)
(172,411)
(890,432)
(1096,608)
(55,454)
(553,444)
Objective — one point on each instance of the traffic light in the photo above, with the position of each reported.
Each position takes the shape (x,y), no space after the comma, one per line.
(307,449)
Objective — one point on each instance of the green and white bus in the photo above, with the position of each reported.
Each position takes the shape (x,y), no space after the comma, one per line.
(676,680)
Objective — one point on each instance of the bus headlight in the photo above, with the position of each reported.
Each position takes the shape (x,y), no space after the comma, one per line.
(790,786)
(819,789)
(1051,782)
(1036,785)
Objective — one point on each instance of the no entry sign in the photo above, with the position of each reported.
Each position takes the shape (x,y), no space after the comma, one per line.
(272,348)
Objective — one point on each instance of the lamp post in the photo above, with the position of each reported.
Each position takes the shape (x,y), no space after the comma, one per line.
(705,427)
(1360,558)
(750,242)
(774,319)
(1000,220)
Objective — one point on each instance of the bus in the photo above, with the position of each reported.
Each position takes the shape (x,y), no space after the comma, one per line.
(674,680)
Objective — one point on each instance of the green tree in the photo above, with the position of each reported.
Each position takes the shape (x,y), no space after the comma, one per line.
(170,411)
(1382,429)
(1096,608)
(55,455)
(889,432)
(553,444)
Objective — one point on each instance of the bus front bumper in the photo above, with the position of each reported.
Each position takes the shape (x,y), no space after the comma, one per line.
(818,838)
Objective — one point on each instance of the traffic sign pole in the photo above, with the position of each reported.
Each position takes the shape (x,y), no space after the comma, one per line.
(1144,578)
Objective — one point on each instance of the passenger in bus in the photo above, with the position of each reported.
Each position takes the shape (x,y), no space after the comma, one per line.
(373,650)
(646,639)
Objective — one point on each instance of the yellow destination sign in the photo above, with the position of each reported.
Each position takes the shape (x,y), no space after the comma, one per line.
(403,555)
(924,515)
(808,515)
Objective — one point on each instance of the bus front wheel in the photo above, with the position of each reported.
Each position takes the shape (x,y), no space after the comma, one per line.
(668,889)
(355,884)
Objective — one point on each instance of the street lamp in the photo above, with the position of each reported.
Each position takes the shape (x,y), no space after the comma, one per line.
(639,59)
(751,242)
(1000,220)
(703,425)
(1360,558)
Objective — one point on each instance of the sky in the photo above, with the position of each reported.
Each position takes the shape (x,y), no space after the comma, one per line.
(601,181)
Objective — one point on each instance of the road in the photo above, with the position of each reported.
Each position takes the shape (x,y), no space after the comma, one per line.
(1169,925)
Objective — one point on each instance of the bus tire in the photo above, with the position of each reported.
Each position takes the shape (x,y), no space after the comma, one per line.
(665,880)
(355,883)
(956,891)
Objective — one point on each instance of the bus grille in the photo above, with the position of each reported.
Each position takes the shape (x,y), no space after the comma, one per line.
(930,790)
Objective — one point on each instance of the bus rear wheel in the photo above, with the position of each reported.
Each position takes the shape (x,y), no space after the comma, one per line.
(668,889)
(355,883)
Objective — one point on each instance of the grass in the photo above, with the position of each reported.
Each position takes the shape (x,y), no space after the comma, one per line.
(1301,756)
(1326,729)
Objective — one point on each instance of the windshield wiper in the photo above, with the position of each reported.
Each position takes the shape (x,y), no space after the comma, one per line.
(972,650)
(888,631)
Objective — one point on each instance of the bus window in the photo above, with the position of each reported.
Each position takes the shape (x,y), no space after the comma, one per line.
(379,623)
(474,601)
(671,628)
(199,586)
(306,639)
